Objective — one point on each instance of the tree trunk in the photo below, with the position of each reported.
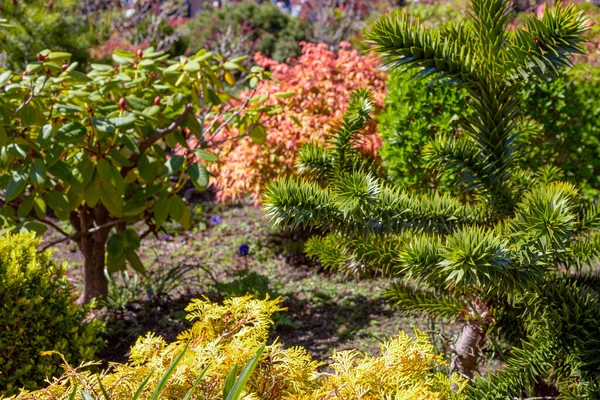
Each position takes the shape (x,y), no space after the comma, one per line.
(92,246)
(467,346)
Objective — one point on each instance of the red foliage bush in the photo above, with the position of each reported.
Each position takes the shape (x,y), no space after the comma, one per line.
(321,81)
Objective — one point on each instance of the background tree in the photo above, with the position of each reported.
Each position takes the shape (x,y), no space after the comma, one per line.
(39,25)
(95,149)
(501,264)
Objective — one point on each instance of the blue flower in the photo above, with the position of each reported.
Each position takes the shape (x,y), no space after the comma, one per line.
(244,250)
(216,220)
(165,236)
(596,202)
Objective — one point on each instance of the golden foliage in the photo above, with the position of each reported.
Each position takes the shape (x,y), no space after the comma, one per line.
(229,334)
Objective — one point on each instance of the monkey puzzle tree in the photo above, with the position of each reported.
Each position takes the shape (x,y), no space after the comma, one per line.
(96,148)
(505,264)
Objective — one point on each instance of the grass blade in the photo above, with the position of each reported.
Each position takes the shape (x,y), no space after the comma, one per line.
(106,396)
(140,388)
(236,391)
(167,374)
(196,382)
(86,395)
(230,381)
(74,392)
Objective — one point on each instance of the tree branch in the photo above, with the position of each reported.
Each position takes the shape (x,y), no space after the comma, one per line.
(160,133)
(78,234)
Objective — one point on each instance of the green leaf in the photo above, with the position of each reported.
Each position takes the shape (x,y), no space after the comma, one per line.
(16,185)
(124,122)
(5,76)
(164,379)
(58,56)
(237,389)
(37,172)
(26,206)
(148,167)
(112,187)
(39,207)
(27,114)
(186,218)
(161,209)
(35,226)
(230,381)
(115,245)
(82,174)
(188,395)
(72,132)
(92,193)
(191,66)
(86,396)
(140,388)
(199,175)
(132,239)
(57,201)
(173,165)
(284,95)
(44,136)
(133,208)
(110,177)
(258,134)
(176,206)
(61,170)
(134,261)
(206,155)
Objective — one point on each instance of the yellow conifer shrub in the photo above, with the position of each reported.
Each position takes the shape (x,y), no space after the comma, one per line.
(229,334)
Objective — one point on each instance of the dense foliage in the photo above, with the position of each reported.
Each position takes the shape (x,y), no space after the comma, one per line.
(96,148)
(39,25)
(563,114)
(516,262)
(229,334)
(38,313)
(416,111)
(318,87)
(244,28)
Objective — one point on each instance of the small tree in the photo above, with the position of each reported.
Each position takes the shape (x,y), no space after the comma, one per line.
(95,148)
(508,264)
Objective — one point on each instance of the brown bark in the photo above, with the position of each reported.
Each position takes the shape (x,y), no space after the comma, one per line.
(467,348)
(92,246)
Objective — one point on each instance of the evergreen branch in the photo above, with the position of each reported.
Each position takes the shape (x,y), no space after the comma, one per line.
(418,301)
(547,44)
(461,158)
(404,43)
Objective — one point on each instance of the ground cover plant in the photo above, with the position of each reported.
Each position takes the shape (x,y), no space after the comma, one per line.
(203,357)
(503,264)
(95,149)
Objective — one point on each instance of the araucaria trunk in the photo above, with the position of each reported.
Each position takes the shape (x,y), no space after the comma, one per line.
(467,348)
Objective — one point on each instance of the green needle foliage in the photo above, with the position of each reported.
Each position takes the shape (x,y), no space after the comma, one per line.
(515,262)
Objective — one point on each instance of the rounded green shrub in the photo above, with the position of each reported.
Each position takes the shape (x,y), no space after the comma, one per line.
(37,314)
(567,111)
(415,111)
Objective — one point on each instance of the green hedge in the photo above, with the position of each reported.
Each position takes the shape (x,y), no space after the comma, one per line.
(564,114)
(38,313)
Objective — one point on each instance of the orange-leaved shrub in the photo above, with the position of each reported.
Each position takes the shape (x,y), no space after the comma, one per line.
(321,82)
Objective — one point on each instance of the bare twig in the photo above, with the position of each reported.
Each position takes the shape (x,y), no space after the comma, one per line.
(32,95)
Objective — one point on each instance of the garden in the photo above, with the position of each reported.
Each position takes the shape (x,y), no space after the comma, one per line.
(299,200)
